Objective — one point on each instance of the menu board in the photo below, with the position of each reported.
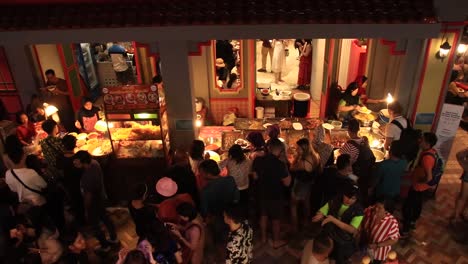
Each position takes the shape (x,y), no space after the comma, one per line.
(130,97)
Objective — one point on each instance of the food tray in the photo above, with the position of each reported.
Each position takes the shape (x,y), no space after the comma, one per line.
(229,138)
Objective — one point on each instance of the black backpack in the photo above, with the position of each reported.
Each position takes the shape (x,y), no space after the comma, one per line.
(409,138)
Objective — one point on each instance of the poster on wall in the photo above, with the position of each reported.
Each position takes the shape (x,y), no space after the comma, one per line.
(447,128)
(130,97)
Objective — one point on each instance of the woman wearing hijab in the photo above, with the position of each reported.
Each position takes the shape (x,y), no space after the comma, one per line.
(350,101)
(87,116)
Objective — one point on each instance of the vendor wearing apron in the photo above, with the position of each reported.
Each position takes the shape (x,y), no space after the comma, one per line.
(87,116)
(349,102)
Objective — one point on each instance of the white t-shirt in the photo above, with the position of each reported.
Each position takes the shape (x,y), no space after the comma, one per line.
(118,62)
(393,131)
(29,178)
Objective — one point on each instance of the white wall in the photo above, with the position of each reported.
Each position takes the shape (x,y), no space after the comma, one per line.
(318,53)
(48,57)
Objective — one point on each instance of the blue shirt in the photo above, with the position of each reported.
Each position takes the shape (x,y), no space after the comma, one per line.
(389,175)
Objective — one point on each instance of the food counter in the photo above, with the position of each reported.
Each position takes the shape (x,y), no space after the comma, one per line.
(292,129)
(136,121)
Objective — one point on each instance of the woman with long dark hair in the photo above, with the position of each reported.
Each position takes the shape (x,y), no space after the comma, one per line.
(305,64)
(304,169)
(350,101)
(239,167)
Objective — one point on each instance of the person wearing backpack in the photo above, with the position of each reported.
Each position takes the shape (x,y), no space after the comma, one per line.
(396,126)
(362,158)
(400,129)
(425,176)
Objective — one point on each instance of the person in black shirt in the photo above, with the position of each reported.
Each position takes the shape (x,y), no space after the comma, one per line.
(272,175)
(71,178)
(338,177)
(143,215)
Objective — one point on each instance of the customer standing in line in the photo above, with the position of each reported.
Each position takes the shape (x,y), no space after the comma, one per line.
(272,175)
(94,196)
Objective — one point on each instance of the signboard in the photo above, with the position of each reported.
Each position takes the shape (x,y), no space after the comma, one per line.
(424,119)
(130,97)
(447,128)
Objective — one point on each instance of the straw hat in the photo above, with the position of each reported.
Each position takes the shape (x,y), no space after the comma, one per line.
(166,187)
(220,62)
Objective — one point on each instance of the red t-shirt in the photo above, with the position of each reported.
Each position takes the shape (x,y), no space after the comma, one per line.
(167,209)
(428,163)
(26,133)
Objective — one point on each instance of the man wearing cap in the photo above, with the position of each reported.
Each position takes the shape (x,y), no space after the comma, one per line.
(341,218)
(167,209)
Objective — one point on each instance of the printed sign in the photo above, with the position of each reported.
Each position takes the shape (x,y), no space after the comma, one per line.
(447,128)
(130,97)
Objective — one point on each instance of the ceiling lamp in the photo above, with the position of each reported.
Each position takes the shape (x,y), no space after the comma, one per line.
(444,50)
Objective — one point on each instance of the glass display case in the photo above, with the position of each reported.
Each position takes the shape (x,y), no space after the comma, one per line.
(137,124)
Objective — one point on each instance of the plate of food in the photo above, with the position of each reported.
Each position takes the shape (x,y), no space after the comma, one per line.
(51,88)
(327,126)
(141,98)
(364,110)
(242,142)
(82,136)
(130,98)
(297,126)
(118,99)
(152,97)
(108,99)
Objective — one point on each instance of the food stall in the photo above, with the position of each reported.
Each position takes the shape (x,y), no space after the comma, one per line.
(136,121)
(292,129)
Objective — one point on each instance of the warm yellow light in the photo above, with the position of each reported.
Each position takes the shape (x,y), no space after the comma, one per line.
(389,98)
(198,123)
(375,143)
(145,116)
(443,52)
(101,126)
(462,49)
(50,110)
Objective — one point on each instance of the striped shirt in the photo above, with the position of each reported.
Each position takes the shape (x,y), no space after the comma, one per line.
(378,232)
(351,150)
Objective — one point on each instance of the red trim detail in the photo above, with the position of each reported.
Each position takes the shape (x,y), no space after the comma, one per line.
(200,45)
(137,61)
(324,97)
(392,45)
(39,63)
(252,74)
(75,101)
(421,80)
(228,99)
(444,82)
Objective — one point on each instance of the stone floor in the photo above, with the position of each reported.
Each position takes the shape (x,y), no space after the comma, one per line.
(431,242)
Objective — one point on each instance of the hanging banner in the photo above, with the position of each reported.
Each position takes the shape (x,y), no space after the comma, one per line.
(447,128)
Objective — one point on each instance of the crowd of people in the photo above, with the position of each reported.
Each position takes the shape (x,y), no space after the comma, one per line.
(50,203)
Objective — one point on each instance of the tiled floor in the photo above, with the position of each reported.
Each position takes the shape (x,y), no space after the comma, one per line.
(431,242)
